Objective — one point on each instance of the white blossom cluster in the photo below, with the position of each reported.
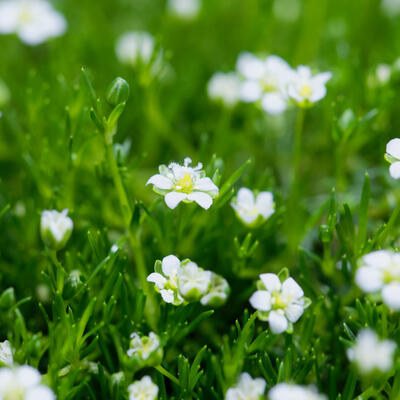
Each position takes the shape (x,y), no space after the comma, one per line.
(270,82)
(184,281)
(146,349)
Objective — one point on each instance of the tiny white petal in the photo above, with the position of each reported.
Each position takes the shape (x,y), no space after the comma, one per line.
(291,287)
(261,300)
(369,279)
(273,103)
(277,322)
(158,279)
(391,295)
(265,204)
(271,282)
(393,148)
(167,295)
(293,312)
(204,200)
(394,170)
(170,265)
(206,185)
(172,199)
(160,181)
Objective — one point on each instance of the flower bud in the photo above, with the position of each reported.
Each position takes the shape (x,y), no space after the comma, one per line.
(7,299)
(55,228)
(72,284)
(117,92)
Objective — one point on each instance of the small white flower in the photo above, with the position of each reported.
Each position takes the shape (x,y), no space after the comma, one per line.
(393,157)
(379,271)
(247,388)
(391,7)
(143,346)
(281,304)
(23,383)
(224,87)
(184,183)
(265,80)
(371,354)
(252,209)
(193,281)
(167,282)
(34,21)
(185,9)
(383,73)
(6,354)
(144,389)
(55,228)
(218,292)
(135,47)
(306,89)
(286,391)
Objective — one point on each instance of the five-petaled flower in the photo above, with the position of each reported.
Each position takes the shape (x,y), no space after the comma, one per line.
(370,354)
(144,389)
(246,388)
(253,210)
(379,272)
(306,89)
(393,157)
(184,183)
(23,383)
(146,349)
(281,304)
(135,47)
(286,391)
(225,87)
(34,21)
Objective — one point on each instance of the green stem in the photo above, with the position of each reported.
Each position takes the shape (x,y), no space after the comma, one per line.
(163,371)
(298,135)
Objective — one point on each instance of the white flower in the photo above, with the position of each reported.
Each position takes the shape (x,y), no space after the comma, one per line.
(144,389)
(383,73)
(6,355)
(247,388)
(135,47)
(391,7)
(185,9)
(144,347)
(218,292)
(225,87)
(380,272)
(371,354)
(193,281)
(253,209)
(23,383)
(167,282)
(34,21)
(281,304)
(286,391)
(184,183)
(55,228)
(393,156)
(265,80)
(306,89)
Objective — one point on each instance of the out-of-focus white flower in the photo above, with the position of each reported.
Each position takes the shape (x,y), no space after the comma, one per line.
(193,281)
(218,292)
(379,271)
(146,348)
(55,228)
(225,87)
(185,9)
(383,73)
(247,388)
(286,391)
(167,282)
(252,209)
(144,389)
(184,183)
(306,89)
(371,354)
(281,304)
(135,47)
(393,157)
(265,80)
(23,383)
(6,354)
(391,7)
(34,21)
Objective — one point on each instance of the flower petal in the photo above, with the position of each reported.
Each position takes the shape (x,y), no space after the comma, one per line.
(292,289)
(261,300)
(393,148)
(28,376)
(170,265)
(265,204)
(273,103)
(202,199)
(206,185)
(40,392)
(167,295)
(369,279)
(293,312)
(271,282)
(158,279)
(250,91)
(245,197)
(391,295)
(160,181)
(394,170)
(277,322)
(172,199)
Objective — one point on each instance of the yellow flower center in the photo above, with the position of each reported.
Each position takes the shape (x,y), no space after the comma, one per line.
(278,302)
(185,184)
(15,393)
(305,91)
(25,16)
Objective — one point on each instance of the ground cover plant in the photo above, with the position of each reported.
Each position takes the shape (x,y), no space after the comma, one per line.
(199,199)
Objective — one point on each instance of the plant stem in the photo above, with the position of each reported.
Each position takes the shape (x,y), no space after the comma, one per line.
(298,134)
(163,371)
